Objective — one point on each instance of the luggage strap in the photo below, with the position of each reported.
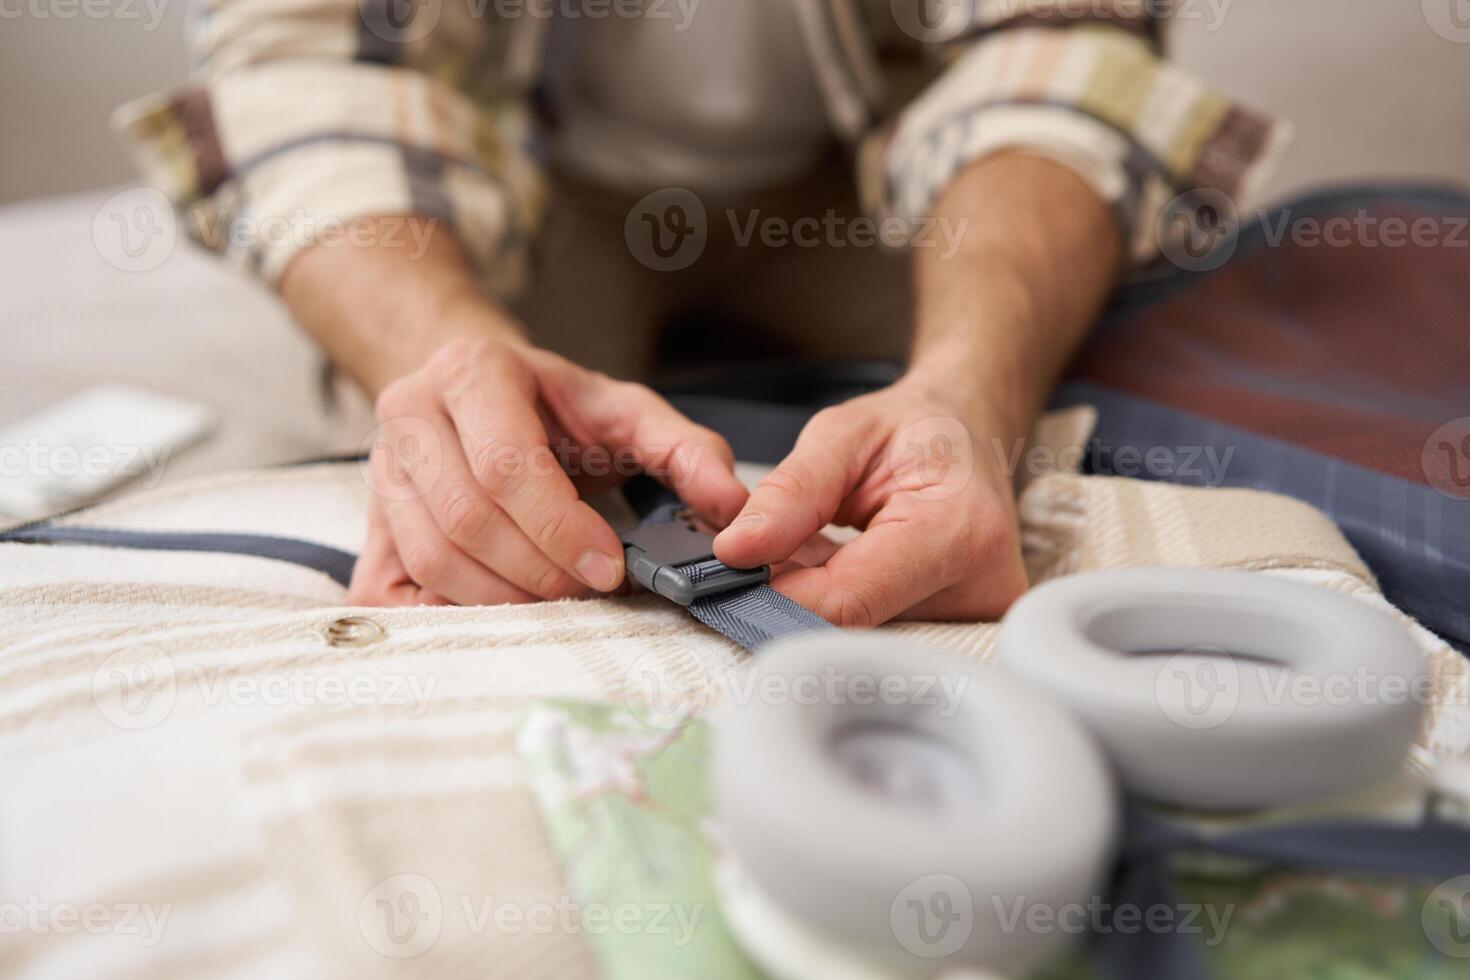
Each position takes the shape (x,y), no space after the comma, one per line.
(666,554)
(750,408)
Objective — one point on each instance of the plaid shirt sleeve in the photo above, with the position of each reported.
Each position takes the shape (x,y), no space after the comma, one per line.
(302,115)
(1082,84)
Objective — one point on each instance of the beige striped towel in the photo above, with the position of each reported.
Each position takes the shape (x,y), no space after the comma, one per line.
(187,758)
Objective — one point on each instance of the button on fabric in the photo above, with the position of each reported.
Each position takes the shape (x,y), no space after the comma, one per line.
(354,631)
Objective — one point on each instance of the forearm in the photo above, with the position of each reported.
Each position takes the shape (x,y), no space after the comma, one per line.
(380,309)
(998,320)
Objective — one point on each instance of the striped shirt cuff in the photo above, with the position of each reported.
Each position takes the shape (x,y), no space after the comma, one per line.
(264,162)
(1138,130)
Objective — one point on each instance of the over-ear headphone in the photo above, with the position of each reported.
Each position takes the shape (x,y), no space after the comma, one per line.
(910,787)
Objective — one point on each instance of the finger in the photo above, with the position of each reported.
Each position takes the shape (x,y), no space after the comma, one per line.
(693,461)
(800,496)
(505,445)
(435,563)
(463,511)
(378,577)
(815,551)
(902,559)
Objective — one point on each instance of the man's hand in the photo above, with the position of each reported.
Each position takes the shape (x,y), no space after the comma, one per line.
(939,537)
(472,503)
(480,466)
(914,466)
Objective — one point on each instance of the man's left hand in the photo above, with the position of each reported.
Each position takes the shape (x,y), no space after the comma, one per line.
(939,537)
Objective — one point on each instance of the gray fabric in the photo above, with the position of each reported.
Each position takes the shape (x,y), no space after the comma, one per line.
(721,101)
(331,562)
(749,616)
(755,615)
(698,571)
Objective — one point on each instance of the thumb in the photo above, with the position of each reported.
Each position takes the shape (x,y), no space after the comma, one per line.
(798,498)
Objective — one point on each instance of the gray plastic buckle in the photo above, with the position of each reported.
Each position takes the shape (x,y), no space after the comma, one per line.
(652,553)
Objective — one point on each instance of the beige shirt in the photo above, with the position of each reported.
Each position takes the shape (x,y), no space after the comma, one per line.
(725,101)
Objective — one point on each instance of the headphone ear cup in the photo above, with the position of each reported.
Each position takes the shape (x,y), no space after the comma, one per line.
(1223,690)
(901,803)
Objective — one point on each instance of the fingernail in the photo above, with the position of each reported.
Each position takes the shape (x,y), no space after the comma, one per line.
(748,522)
(598,570)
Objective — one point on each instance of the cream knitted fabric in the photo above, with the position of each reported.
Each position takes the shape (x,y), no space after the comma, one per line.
(181,738)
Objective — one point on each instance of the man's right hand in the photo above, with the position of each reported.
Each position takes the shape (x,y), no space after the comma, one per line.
(472,503)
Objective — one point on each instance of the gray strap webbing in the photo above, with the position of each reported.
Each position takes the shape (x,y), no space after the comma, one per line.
(332,562)
(749,616)
(753,615)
